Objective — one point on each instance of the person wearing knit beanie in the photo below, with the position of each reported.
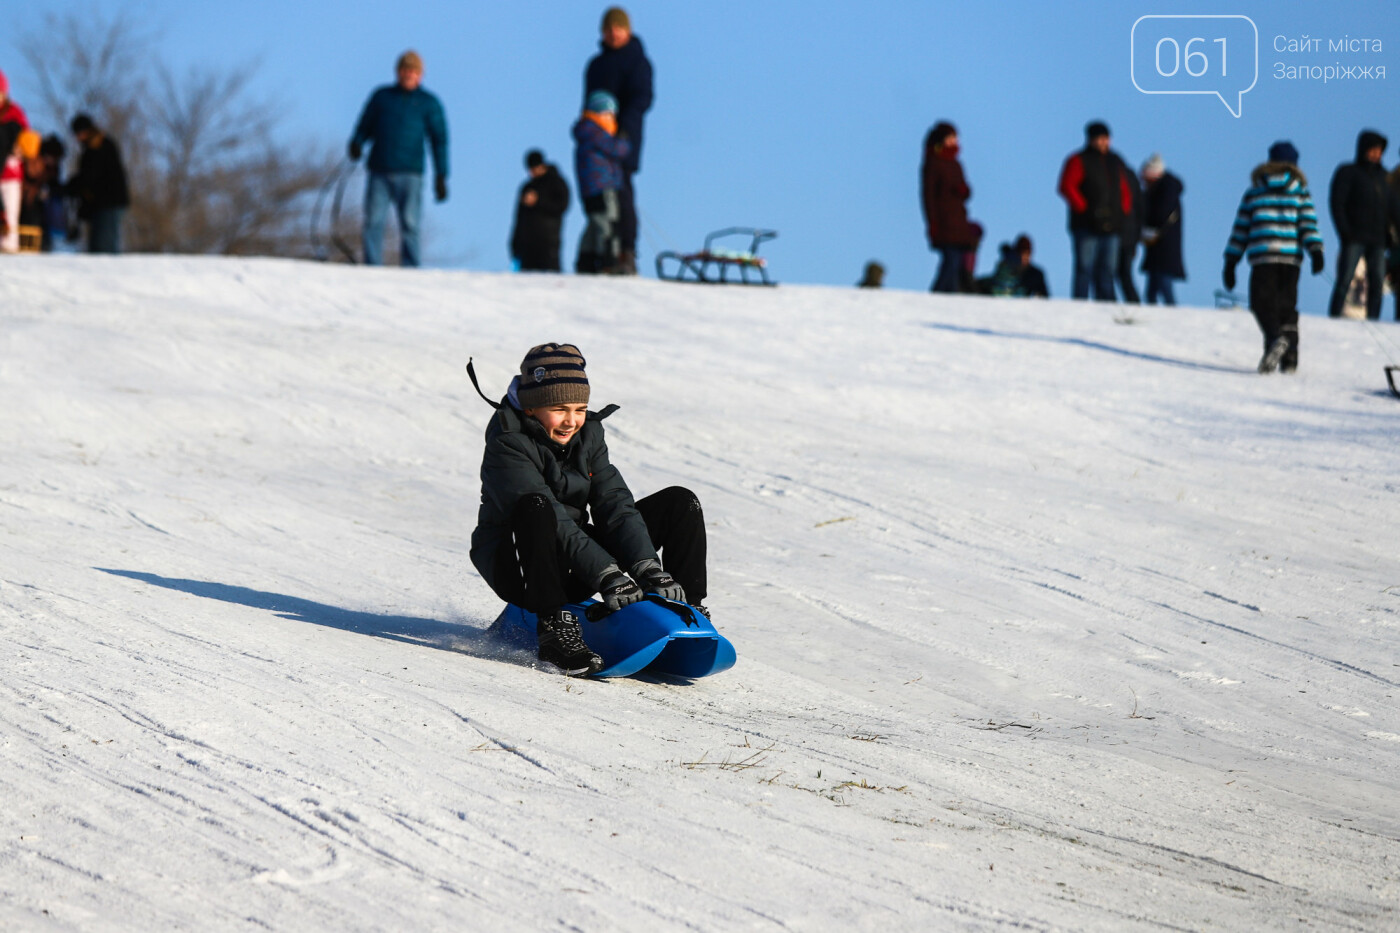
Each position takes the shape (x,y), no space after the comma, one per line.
(1275,229)
(551,375)
(557,522)
(622,68)
(1283,151)
(616,18)
(1162,258)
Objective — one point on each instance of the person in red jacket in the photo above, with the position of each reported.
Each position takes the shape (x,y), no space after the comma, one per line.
(1097,186)
(944,192)
(12,123)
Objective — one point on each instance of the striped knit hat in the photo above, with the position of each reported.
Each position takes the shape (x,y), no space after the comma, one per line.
(552,374)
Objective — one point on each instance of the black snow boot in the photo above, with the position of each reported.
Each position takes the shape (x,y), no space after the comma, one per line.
(1289,363)
(1274,355)
(561,644)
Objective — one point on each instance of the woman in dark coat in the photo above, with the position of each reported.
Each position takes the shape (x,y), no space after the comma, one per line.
(944,194)
(1161,230)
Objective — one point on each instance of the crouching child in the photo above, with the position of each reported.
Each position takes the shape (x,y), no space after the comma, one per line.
(557,522)
(598,154)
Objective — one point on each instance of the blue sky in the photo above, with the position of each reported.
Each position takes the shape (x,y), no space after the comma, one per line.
(808,117)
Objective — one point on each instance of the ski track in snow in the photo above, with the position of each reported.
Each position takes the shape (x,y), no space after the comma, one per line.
(1044,622)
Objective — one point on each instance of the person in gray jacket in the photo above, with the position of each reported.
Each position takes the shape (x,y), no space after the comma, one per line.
(557,522)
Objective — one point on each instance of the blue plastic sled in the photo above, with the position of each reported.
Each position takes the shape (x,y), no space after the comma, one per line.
(656,635)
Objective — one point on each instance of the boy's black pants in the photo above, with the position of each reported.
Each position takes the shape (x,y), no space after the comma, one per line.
(529,572)
(1273,297)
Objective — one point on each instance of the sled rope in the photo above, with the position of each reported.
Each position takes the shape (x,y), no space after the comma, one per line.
(471,371)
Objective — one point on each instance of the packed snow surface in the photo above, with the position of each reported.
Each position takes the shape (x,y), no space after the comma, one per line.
(1049,615)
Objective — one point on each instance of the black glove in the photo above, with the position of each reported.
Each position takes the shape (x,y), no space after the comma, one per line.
(1229,276)
(618,590)
(355,151)
(651,578)
(1317,261)
(440,189)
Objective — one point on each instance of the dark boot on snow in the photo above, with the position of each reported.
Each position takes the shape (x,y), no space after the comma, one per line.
(1274,355)
(561,644)
(1289,363)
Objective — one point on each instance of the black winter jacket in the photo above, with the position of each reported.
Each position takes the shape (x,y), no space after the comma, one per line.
(578,478)
(1162,214)
(1363,204)
(626,74)
(535,239)
(101,180)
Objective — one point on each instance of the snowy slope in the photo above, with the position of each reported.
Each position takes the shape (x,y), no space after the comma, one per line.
(1044,621)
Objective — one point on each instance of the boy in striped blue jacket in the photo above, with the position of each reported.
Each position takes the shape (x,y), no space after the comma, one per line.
(1275,225)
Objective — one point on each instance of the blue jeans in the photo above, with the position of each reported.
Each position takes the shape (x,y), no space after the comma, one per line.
(405,191)
(949,278)
(1095,263)
(1159,284)
(105,230)
(1350,255)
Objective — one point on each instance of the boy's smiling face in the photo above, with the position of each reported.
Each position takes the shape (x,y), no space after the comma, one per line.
(561,422)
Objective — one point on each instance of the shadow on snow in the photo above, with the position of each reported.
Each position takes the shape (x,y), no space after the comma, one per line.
(1092,345)
(429,633)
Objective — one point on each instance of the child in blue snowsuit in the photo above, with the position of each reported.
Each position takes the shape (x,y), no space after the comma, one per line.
(598,156)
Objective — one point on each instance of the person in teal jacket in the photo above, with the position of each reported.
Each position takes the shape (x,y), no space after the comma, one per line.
(397,120)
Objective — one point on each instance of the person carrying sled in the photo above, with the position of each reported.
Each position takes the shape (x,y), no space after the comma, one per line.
(598,153)
(557,522)
(1275,225)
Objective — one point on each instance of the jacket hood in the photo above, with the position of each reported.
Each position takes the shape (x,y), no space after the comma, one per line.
(1268,170)
(633,48)
(1368,140)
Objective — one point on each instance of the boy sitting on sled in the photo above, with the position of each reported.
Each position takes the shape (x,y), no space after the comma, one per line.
(558,523)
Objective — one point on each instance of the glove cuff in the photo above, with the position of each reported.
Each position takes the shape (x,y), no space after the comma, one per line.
(645,566)
(606,577)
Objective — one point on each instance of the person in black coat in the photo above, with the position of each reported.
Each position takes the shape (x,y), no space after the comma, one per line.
(623,70)
(1129,240)
(1363,207)
(1161,230)
(539,215)
(99,187)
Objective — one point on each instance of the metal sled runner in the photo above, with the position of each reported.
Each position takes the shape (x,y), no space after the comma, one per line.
(711,265)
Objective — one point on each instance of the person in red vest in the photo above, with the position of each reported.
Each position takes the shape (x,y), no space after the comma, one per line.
(1097,186)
